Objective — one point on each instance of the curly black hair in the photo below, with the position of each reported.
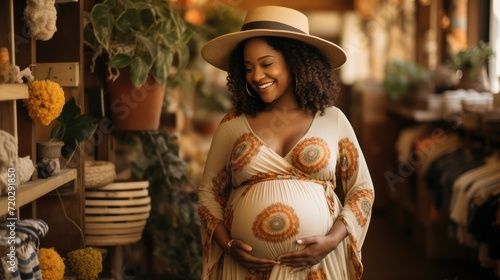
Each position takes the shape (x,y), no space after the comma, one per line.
(316,87)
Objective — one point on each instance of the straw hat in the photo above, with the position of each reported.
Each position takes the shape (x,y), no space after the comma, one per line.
(270,21)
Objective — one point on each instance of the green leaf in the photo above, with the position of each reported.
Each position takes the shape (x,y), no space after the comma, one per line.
(135,20)
(161,66)
(81,128)
(139,71)
(102,22)
(150,45)
(69,112)
(73,128)
(119,61)
(183,55)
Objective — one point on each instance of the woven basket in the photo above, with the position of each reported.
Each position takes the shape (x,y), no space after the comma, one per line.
(99,173)
(116,214)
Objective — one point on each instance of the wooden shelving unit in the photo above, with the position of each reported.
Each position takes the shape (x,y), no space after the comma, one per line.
(32,190)
(9,94)
(36,199)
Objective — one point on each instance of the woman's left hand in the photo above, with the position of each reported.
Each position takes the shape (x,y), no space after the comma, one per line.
(317,248)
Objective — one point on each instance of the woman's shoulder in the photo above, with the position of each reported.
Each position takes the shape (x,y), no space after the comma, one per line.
(333,111)
(334,115)
(231,116)
(231,122)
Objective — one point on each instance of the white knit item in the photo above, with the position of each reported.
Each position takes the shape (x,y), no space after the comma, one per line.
(8,158)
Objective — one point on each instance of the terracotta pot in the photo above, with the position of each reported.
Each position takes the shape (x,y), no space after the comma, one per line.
(135,108)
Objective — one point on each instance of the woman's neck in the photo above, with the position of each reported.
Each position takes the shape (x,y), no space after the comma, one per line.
(282,107)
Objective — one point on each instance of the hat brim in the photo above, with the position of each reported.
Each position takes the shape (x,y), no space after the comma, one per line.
(218,51)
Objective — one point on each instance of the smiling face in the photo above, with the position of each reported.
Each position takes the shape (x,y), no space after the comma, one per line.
(267,72)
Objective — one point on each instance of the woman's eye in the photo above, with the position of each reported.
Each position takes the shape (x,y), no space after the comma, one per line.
(267,64)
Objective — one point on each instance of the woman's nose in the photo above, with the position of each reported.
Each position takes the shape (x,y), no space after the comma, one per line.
(258,74)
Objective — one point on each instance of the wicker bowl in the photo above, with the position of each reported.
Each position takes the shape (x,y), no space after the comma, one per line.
(116,214)
(99,173)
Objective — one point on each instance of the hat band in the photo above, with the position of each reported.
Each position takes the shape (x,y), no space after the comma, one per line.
(270,25)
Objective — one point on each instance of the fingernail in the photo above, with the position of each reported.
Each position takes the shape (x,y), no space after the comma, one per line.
(299,241)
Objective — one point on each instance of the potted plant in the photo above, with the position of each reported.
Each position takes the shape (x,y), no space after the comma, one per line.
(65,138)
(407,82)
(470,64)
(140,42)
(73,128)
(45,104)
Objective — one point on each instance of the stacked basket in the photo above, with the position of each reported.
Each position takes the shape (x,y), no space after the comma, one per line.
(116,213)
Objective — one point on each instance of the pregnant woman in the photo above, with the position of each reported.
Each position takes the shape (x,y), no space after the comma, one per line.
(268,200)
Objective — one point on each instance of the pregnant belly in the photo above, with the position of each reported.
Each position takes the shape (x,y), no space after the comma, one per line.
(270,216)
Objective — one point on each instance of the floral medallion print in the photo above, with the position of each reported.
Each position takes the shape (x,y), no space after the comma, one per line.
(361,205)
(354,256)
(228,218)
(276,223)
(317,274)
(229,116)
(209,221)
(330,200)
(220,187)
(311,155)
(262,275)
(244,149)
(348,161)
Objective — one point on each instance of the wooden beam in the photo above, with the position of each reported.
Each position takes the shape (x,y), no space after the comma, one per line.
(301,5)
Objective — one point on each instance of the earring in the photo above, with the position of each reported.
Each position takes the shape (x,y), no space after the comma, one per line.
(248,91)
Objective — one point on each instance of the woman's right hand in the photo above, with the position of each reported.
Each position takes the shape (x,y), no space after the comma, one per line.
(242,253)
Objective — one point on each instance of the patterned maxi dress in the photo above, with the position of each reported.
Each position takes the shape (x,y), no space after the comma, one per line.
(270,201)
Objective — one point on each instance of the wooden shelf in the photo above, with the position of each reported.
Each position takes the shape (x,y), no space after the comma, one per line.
(9,93)
(33,190)
(13,91)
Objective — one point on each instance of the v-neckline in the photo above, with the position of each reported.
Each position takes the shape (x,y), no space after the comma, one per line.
(269,148)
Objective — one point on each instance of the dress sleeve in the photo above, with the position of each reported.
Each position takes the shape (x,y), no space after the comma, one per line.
(213,194)
(358,189)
